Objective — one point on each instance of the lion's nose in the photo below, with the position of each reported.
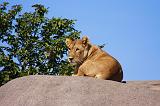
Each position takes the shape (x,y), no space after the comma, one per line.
(70,59)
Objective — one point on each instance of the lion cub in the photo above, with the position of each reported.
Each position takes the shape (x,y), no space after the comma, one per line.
(92,61)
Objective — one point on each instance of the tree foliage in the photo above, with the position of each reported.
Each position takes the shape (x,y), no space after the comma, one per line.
(31,43)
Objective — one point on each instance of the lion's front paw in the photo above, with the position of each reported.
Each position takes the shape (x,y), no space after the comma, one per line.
(74,75)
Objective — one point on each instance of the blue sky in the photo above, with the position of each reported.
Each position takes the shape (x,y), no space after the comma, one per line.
(129,28)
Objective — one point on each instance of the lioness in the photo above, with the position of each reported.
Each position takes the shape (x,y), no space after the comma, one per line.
(92,61)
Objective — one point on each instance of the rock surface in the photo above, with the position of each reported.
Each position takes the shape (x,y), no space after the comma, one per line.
(78,91)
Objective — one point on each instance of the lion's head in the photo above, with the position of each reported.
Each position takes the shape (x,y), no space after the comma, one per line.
(77,50)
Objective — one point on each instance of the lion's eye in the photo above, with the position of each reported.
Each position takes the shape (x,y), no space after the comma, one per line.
(77,49)
(69,49)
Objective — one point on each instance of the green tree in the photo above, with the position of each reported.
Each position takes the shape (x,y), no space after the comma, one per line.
(32,44)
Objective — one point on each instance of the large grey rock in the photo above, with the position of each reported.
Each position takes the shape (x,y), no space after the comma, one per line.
(78,91)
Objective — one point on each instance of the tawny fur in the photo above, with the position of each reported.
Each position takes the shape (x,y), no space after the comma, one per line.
(92,61)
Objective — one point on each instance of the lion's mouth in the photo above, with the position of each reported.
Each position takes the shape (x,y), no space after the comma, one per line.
(75,63)
(72,62)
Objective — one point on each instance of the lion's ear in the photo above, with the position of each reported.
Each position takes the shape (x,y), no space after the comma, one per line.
(68,41)
(85,40)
